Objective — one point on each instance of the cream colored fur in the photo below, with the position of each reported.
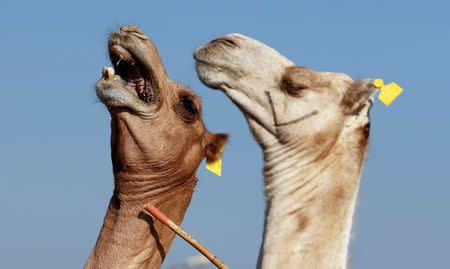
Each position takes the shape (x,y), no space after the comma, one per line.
(313,128)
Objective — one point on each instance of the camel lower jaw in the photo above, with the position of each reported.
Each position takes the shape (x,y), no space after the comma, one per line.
(112,91)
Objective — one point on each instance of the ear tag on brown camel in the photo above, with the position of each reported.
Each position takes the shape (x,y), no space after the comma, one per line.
(215,166)
(388,92)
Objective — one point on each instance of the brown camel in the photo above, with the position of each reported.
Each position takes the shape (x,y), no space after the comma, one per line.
(158,140)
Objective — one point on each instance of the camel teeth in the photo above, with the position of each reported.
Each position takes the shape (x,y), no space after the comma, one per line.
(110,72)
(104,72)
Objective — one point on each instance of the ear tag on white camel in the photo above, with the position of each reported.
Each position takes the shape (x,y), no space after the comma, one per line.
(388,92)
(215,166)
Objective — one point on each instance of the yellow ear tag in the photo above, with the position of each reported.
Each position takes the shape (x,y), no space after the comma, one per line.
(388,92)
(215,166)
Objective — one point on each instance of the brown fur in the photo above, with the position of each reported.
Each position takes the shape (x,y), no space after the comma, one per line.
(297,78)
(303,222)
(155,158)
(356,93)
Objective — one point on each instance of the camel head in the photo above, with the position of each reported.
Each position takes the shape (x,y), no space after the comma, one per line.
(313,128)
(157,128)
(282,102)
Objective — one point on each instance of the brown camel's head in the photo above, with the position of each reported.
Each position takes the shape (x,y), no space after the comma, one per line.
(283,102)
(156,126)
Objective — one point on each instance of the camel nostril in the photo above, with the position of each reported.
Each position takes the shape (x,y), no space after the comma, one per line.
(229,41)
(131,28)
(226,41)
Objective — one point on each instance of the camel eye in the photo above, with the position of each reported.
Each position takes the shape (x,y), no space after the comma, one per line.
(296,79)
(186,108)
(189,106)
(296,90)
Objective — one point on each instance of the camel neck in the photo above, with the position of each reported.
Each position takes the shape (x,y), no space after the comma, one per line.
(310,204)
(130,237)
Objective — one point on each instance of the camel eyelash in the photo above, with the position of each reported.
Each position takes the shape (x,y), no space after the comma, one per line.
(186,108)
(188,105)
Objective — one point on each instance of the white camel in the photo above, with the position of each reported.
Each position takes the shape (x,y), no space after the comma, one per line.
(313,128)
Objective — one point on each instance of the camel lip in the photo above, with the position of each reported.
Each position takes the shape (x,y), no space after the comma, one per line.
(207,63)
(200,59)
(216,67)
(196,52)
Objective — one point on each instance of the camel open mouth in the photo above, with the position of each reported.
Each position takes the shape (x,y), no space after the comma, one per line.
(133,74)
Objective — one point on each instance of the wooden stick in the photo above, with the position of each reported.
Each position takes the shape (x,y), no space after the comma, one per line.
(164,219)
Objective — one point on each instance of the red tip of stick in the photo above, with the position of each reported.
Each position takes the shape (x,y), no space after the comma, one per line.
(156,213)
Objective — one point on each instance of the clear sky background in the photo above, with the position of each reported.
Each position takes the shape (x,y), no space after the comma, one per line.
(56,176)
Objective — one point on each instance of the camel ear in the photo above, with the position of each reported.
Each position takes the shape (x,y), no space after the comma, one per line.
(297,78)
(214,148)
(358,96)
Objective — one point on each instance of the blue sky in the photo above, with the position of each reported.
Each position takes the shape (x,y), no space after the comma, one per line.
(56,173)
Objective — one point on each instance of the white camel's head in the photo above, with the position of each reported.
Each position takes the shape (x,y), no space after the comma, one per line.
(280,100)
